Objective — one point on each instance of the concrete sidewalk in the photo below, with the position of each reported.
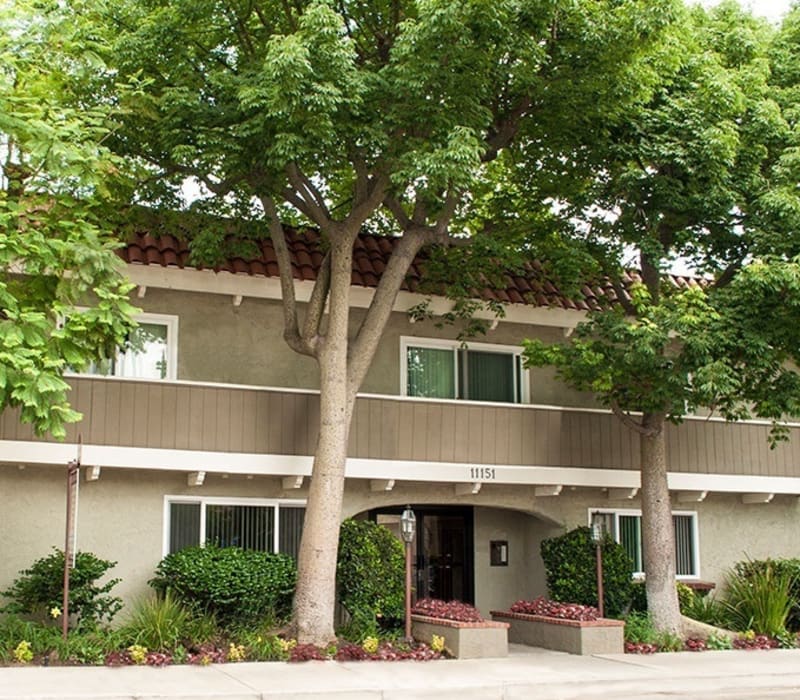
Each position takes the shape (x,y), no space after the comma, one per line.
(526,673)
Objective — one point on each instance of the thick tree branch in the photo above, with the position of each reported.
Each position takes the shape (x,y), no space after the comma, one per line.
(727,274)
(315,206)
(394,205)
(291,328)
(374,194)
(629,422)
(622,297)
(504,130)
(316,304)
(363,346)
(446,214)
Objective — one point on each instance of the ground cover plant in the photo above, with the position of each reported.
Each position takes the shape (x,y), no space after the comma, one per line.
(446,610)
(552,608)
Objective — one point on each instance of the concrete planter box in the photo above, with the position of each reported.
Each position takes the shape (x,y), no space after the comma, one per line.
(601,636)
(464,640)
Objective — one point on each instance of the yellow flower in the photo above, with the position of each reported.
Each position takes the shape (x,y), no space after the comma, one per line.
(370,645)
(55,612)
(437,643)
(23,653)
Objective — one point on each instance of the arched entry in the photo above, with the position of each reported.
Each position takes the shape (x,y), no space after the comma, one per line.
(442,555)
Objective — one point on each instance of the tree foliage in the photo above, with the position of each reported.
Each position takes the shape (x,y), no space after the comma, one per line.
(383,115)
(55,253)
(703,171)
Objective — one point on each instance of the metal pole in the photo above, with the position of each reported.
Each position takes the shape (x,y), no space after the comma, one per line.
(72,469)
(600,579)
(408,592)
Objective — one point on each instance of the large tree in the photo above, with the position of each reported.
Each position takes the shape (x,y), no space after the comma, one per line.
(376,114)
(703,172)
(54,253)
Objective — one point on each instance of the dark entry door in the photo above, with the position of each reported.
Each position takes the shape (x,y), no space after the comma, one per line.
(443,566)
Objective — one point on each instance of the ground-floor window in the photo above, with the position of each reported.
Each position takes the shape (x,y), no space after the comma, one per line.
(625,527)
(263,525)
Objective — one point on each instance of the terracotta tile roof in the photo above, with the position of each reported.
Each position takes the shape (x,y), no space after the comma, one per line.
(370,256)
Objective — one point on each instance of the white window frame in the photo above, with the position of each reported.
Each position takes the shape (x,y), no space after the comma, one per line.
(409,341)
(617,512)
(171,322)
(204,501)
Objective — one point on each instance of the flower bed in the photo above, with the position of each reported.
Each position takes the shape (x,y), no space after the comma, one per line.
(576,629)
(465,633)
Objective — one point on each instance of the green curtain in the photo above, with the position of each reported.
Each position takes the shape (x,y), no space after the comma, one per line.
(490,376)
(431,373)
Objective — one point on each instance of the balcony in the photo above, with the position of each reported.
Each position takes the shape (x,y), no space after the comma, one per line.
(249,420)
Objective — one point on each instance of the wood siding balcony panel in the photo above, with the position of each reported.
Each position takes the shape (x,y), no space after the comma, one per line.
(242,419)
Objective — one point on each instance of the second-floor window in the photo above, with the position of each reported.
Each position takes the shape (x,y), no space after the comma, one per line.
(151,352)
(447,370)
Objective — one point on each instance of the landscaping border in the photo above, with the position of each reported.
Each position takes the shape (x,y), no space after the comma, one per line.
(583,637)
(464,640)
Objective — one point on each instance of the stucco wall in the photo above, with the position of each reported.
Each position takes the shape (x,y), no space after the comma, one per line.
(220,342)
(121,518)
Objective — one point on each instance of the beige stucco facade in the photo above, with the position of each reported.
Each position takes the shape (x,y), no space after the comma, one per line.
(122,517)
(240,422)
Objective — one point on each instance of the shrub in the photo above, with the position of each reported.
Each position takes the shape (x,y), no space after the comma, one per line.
(706,608)
(370,576)
(758,598)
(749,568)
(570,565)
(453,610)
(719,641)
(235,585)
(39,590)
(163,623)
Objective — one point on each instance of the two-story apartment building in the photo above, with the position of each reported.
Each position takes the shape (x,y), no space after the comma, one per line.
(205,430)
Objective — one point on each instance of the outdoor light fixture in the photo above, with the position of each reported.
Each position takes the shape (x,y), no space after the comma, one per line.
(598,534)
(408,529)
(408,525)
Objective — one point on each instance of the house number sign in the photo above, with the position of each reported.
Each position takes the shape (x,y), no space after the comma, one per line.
(482,473)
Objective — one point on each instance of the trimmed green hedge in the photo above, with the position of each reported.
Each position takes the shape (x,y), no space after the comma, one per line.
(236,585)
(370,576)
(570,564)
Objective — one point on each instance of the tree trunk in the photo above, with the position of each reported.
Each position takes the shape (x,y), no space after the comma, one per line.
(658,533)
(315,596)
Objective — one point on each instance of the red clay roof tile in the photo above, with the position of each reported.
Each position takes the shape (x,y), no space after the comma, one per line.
(371,255)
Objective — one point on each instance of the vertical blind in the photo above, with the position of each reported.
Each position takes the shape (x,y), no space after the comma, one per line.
(629,535)
(248,527)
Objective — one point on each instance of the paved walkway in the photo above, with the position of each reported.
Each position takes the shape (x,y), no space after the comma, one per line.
(526,674)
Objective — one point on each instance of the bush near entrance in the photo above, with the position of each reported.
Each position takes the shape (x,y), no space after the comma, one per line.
(570,565)
(370,577)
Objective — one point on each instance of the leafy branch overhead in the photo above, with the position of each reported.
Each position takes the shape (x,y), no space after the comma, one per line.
(55,253)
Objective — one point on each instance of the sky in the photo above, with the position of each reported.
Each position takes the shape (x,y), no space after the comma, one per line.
(771,9)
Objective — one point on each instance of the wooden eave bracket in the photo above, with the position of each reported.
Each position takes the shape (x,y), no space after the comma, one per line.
(196,478)
(141,291)
(550,490)
(237,299)
(751,498)
(292,482)
(622,494)
(93,473)
(381,484)
(468,489)
(691,496)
